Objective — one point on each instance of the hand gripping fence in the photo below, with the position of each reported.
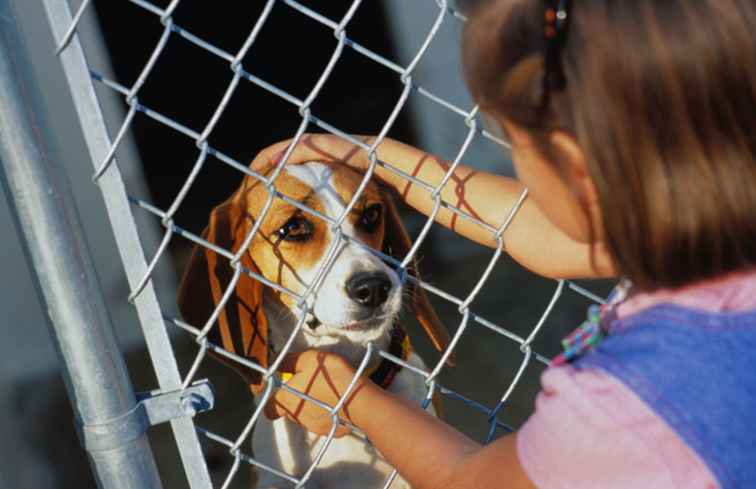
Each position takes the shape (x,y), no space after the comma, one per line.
(179,397)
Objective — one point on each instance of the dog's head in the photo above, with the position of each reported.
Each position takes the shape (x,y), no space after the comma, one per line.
(359,297)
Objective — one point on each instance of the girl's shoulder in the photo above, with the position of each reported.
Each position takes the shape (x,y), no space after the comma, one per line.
(731,293)
(713,315)
(684,352)
(711,325)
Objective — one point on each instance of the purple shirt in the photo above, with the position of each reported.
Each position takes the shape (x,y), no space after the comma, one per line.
(590,431)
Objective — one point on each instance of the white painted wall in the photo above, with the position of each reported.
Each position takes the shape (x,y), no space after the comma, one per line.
(440,131)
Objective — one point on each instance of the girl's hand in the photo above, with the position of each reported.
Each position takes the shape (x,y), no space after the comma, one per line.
(425,450)
(322,376)
(316,147)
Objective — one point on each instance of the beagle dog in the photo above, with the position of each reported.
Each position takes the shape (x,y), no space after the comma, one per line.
(359,301)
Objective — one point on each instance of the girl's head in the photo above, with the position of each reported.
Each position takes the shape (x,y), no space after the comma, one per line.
(652,141)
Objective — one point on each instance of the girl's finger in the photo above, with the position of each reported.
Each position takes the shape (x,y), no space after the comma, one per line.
(313,147)
(281,404)
(265,157)
(278,407)
(308,148)
(272,410)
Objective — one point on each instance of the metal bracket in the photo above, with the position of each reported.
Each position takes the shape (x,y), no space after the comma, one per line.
(152,408)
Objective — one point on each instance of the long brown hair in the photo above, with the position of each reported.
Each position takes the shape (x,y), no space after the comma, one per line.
(661,96)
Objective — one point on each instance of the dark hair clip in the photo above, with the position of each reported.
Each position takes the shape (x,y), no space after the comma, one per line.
(555,22)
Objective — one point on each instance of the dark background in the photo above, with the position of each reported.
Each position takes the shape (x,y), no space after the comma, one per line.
(188,83)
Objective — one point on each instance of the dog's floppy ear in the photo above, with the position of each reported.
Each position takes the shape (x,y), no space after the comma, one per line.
(397,243)
(241,327)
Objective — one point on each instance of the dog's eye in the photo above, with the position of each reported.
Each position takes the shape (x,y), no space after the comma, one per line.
(296,229)
(371,217)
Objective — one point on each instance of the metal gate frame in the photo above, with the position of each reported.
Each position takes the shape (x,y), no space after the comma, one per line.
(111,420)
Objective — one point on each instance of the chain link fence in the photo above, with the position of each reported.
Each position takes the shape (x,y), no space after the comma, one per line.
(190,394)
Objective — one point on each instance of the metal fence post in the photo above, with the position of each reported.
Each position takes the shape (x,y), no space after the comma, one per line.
(98,385)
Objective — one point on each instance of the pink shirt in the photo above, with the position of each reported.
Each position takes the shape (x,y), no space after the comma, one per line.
(589,431)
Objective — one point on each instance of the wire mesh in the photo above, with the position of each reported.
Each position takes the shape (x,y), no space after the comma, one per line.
(445,12)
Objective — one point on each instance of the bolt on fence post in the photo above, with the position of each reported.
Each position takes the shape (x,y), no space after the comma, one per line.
(43,211)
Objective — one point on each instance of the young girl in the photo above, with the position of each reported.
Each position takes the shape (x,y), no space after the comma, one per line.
(632,124)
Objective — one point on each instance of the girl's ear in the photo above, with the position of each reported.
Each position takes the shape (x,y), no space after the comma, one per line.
(574,168)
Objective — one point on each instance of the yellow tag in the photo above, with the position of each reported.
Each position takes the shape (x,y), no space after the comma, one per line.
(406,346)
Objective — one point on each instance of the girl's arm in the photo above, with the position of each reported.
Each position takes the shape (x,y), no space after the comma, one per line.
(427,452)
(531,239)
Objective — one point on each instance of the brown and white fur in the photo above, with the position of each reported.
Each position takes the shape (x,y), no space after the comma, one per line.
(358,303)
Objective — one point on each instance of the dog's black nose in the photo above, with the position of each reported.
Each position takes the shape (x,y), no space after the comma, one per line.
(369,289)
